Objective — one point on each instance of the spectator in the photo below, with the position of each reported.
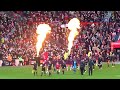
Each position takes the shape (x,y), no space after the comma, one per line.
(18,33)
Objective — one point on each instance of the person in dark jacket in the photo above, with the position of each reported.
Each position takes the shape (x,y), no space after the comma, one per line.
(49,68)
(35,69)
(82,65)
(94,61)
(100,62)
(113,60)
(1,56)
(54,64)
(63,66)
(43,69)
(90,66)
(108,60)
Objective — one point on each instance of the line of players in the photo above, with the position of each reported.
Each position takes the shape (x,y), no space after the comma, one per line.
(48,67)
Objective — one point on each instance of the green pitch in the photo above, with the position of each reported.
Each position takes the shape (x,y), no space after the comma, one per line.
(25,72)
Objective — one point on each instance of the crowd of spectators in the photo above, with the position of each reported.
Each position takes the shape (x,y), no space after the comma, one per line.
(18,32)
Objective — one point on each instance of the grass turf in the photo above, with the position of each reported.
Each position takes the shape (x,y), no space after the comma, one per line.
(25,72)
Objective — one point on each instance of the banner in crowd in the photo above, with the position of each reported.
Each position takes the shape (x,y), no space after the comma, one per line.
(32,62)
(16,62)
(115,45)
(1,63)
(45,55)
(41,61)
(66,55)
(6,63)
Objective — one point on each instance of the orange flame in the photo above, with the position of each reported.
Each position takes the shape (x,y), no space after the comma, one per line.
(73,25)
(42,31)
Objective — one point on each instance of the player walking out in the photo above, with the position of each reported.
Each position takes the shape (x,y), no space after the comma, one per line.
(108,59)
(82,66)
(90,65)
(49,68)
(63,66)
(35,69)
(58,67)
(54,62)
(74,66)
(100,62)
(113,60)
(94,61)
(43,69)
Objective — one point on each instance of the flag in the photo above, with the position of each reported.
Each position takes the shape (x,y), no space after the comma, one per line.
(45,55)
(2,40)
(66,55)
(89,54)
(20,58)
(41,61)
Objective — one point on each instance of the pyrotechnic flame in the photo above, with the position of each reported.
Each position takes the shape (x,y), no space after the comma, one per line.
(73,25)
(42,31)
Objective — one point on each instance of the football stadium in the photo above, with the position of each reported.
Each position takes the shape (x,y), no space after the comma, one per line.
(59,45)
